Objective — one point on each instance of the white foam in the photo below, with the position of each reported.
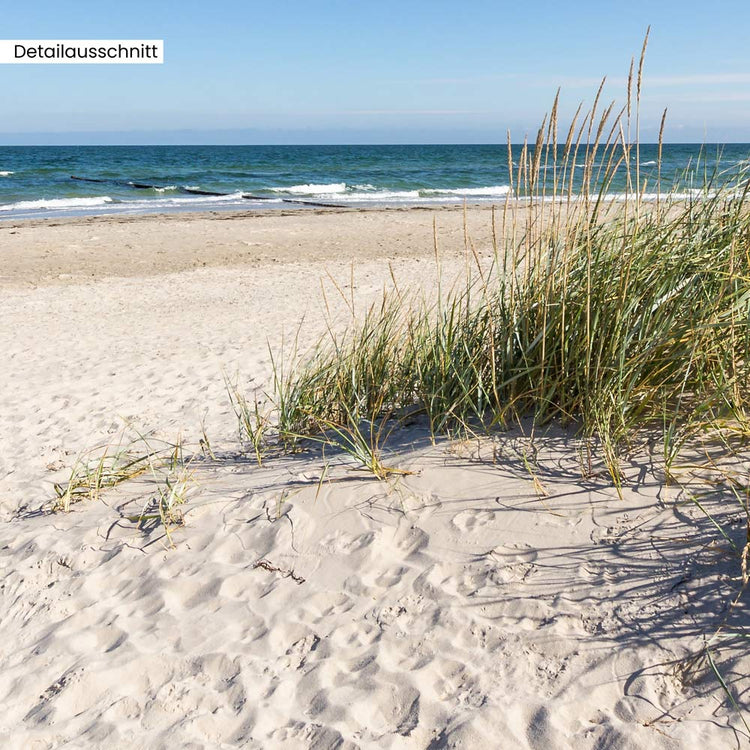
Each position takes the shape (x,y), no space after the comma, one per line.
(333,188)
(648,163)
(6,174)
(165,189)
(57,203)
(165,202)
(488,191)
(107,205)
(381,195)
(366,193)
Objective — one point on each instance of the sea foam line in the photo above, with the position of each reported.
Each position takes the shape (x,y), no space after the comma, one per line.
(333,188)
(57,203)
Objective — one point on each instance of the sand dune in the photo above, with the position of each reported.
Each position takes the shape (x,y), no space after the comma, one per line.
(306,604)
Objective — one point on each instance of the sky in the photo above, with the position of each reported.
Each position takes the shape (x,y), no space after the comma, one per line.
(407,71)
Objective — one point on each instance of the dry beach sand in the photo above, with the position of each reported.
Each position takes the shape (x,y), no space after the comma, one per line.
(473,603)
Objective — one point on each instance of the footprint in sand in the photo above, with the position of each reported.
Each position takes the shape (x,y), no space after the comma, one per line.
(406,541)
(355,635)
(384,579)
(470,520)
(458,579)
(515,562)
(340,543)
(246,585)
(296,655)
(323,605)
(405,654)
(454,684)
(298,734)
(390,709)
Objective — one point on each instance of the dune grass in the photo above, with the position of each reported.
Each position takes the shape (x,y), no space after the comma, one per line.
(618,316)
(253,423)
(131,454)
(97,469)
(623,317)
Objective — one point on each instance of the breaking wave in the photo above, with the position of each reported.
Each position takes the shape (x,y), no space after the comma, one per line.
(59,204)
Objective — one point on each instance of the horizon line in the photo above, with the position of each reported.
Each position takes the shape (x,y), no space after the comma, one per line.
(504,144)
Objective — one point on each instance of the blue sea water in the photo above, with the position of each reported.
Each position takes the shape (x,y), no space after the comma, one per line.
(35,181)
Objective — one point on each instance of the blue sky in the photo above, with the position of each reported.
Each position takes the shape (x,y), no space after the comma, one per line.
(240,71)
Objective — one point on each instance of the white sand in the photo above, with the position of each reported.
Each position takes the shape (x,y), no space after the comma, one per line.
(451,608)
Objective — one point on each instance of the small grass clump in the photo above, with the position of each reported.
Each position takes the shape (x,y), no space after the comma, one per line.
(102,468)
(175,483)
(362,439)
(253,424)
(133,455)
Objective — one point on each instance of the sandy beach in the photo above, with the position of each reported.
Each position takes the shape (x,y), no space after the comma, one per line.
(470,603)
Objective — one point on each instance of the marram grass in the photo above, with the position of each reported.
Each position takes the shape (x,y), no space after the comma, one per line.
(618,316)
(617,327)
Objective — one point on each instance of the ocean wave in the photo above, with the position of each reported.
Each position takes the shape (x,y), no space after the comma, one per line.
(380,195)
(156,188)
(333,188)
(58,204)
(192,200)
(370,196)
(205,202)
(480,191)
(648,163)
(111,205)
(366,192)
(6,174)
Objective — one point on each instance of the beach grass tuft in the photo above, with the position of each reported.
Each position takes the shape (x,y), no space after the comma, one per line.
(615,315)
(253,423)
(101,468)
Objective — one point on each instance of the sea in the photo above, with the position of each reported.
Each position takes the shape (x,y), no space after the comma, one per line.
(38,181)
